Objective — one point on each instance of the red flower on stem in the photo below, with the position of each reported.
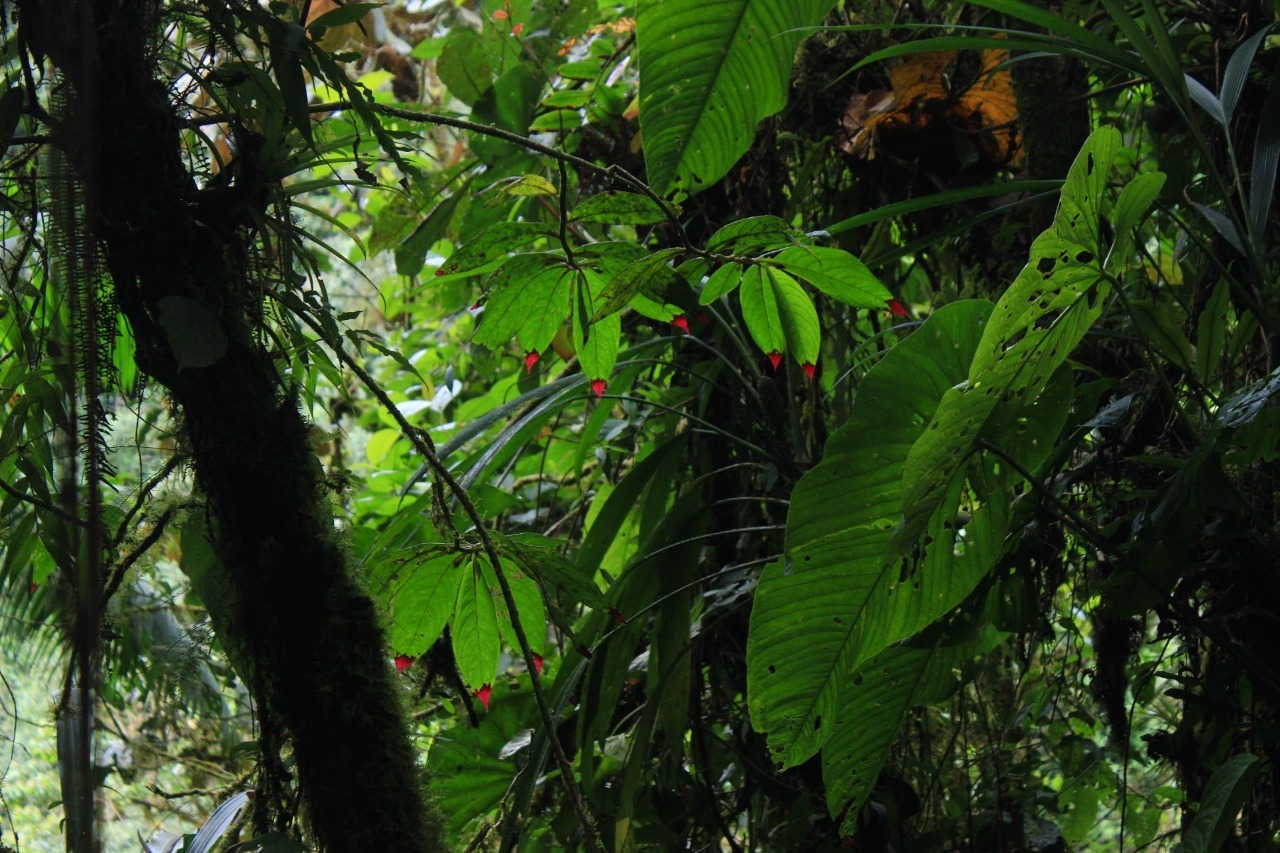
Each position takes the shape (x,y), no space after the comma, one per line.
(403,662)
(775,358)
(597,387)
(530,359)
(483,694)
(681,322)
(897,309)
(808,367)
(537,665)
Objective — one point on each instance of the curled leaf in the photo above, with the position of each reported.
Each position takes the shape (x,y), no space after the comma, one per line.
(403,662)
(484,694)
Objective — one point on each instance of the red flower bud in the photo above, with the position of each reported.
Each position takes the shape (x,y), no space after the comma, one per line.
(483,694)
(896,308)
(537,664)
(775,358)
(808,368)
(597,387)
(681,322)
(530,359)
(403,662)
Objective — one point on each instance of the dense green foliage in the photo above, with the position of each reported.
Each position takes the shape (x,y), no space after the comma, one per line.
(675,424)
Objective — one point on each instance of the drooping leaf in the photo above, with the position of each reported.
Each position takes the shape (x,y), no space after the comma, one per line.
(418,595)
(541,558)
(723,281)
(477,644)
(708,73)
(836,273)
(528,598)
(760,310)
(800,324)
(529,300)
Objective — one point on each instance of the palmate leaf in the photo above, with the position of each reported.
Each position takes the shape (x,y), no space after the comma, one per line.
(709,71)
(803,643)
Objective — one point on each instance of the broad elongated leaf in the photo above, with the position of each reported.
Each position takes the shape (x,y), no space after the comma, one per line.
(722,281)
(528,598)
(492,243)
(529,300)
(836,273)
(418,596)
(476,642)
(799,318)
(709,71)
(619,207)
(761,312)
(648,275)
(1039,320)
(881,693)
(1226,792)
(751,235)
(802,645)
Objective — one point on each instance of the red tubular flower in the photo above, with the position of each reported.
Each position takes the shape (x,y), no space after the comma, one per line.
(403,662)
(597,387)
(775,358)
(530,359)
(808,367)
(484,694)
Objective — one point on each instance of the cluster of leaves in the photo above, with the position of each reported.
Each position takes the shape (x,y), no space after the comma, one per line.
(647,419)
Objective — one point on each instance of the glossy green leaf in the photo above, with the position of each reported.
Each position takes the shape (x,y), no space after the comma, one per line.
(1211,331)
(760,310)
(803,642)
(1038,321)
(800,324)
(529,300)
(650,275)
(494,242)
(708,73)
(880,695)
(753,234)
(619,207)
(721,282)
(528,598)
(599,352)
(1224,796)
(418,595)
(477,643)
(836,273)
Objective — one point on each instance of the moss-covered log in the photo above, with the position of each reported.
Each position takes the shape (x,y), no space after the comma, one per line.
(312,636)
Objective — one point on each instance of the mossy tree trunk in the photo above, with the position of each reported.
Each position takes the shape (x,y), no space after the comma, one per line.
(310,634)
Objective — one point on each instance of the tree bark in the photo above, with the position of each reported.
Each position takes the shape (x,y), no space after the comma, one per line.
(311,636)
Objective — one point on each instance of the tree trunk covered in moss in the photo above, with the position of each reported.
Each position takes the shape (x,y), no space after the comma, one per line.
(310,634)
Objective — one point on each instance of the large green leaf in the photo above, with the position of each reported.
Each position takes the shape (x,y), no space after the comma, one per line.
(803,643)
(477,645)
(779,314)
(880,694)
(418,595)
(709,71)
(529,300)
(836,273)
(1038,321)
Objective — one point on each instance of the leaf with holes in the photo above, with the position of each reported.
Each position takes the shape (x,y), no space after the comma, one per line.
(709,72)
